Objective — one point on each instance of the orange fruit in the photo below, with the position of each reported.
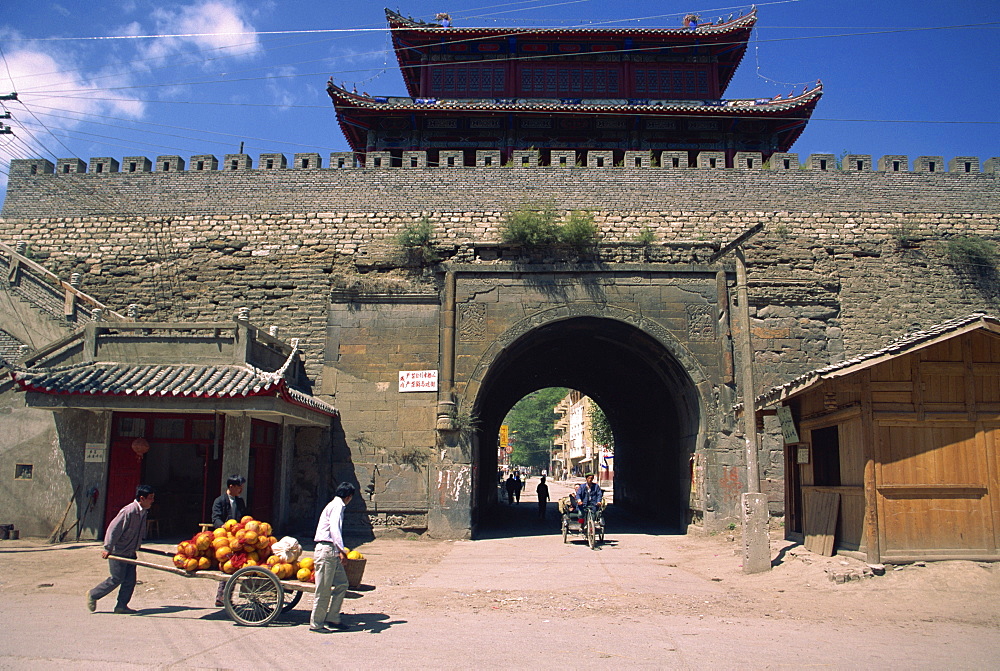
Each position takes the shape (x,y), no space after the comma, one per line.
(265,529)
(287,571)
(223,554)
(228,526)
(191,564)
(252,525)
(220,542)
(180,560)
(250,537)
(204,563)
(303,574)
(220,532)
(228,567)
(307,563)
(246,518)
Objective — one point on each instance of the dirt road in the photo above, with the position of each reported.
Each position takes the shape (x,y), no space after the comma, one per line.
(521,597)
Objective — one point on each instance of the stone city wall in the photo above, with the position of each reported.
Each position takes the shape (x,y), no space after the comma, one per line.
(848,259)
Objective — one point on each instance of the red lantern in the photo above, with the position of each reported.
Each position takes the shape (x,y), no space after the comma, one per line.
(140,446)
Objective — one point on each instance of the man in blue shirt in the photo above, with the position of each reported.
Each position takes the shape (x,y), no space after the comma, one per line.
(589,494)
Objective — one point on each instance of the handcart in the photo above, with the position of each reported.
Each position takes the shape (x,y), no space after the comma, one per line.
(253,596)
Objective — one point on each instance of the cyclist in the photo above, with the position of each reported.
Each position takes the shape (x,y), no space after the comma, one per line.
(589,495)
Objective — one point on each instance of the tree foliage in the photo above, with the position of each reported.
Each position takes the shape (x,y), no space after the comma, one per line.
(533,420)
(601,428)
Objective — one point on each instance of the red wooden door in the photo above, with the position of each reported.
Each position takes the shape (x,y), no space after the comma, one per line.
(264,437)
(124,474)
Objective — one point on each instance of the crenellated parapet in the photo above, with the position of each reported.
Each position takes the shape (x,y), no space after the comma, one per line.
(518,159)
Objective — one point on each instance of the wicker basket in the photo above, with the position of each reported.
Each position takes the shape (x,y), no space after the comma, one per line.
(355,569)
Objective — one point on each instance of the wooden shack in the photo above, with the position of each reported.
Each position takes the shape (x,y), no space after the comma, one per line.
(894,454)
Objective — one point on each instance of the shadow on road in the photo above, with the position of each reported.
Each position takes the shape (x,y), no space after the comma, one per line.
(521,519)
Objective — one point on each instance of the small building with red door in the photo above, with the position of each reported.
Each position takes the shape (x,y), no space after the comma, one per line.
(895,454)
(478,94)
(176,406)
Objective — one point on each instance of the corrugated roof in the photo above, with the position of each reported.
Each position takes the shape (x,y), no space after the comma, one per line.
(164,380)
(907,343)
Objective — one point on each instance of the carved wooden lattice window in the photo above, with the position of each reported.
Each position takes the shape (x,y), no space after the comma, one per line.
(550,80)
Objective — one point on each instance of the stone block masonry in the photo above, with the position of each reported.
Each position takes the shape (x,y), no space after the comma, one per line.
(197,244)
(848,260)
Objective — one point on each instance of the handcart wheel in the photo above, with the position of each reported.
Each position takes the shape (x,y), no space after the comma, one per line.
(591,532)
(290,604)
(253,596)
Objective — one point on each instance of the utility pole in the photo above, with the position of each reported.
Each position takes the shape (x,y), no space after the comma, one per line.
(756,544)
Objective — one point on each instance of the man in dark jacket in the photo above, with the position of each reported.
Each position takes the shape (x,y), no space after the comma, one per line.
(229,506)
(122,539)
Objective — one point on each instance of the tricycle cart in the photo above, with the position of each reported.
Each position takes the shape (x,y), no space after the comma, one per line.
(253,596)
(592,527)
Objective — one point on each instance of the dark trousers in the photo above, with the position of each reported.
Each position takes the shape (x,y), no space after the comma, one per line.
(123,577)
(541,509)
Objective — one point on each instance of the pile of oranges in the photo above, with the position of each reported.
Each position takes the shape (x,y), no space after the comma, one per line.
(236,544)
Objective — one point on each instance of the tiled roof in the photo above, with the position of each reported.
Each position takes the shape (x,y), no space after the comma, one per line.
(750,107)
(905,344)
(10,347)
(746,21)
(164,381)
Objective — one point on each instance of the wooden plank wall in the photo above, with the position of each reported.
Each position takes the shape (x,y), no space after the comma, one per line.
(936,413)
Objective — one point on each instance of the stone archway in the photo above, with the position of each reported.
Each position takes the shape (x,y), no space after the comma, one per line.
(652,389)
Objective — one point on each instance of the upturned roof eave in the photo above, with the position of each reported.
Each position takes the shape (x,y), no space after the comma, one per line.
(400,24)
(345,101)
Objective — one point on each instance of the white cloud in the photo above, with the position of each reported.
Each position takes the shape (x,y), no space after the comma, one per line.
(211,25)
(55,95)
(278,90)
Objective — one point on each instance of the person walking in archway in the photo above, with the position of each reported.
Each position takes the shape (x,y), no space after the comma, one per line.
(511,484)
(542,490)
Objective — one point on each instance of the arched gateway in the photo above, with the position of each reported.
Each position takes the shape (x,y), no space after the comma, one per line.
(651,387)
(648,342)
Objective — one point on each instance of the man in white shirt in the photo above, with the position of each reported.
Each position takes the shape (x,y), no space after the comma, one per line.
(329,558)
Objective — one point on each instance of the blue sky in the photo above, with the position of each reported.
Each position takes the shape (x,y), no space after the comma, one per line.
(913,78)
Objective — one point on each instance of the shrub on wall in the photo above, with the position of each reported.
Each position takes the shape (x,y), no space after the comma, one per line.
(531,227)
(418,238)
(971,251)
(579,230)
